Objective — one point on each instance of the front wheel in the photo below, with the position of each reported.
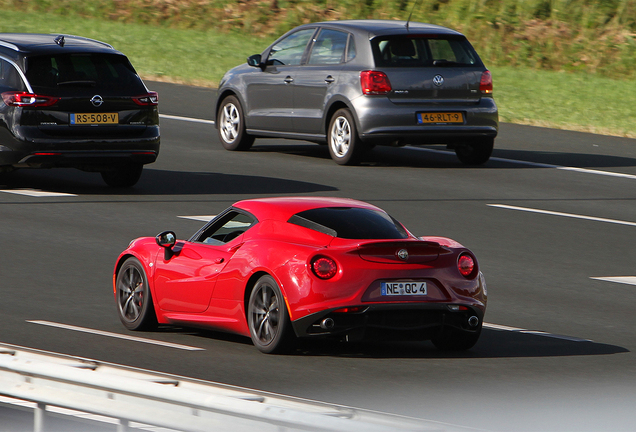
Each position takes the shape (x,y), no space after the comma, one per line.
(122,176)
(475,153)
(134,301)
(345,146)
(268,319)
(231,126)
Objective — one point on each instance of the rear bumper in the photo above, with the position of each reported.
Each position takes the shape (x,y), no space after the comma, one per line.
(381,121)
(84,153)
(406,321)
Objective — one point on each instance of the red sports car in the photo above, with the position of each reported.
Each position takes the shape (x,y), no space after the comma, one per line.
(275,269)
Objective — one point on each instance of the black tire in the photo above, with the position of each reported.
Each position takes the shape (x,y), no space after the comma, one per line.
(123,176)
(231,126)
(344,144)
(268,319)
(134,301)
(453,339)
(475,153)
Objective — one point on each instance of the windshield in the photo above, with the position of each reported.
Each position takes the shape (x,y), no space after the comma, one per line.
(423,51)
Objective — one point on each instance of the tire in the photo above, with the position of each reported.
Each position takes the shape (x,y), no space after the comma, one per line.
(452,339)
(268,319)
(134,301)
(231,126)
(123,176)
(345,146)
(475,153)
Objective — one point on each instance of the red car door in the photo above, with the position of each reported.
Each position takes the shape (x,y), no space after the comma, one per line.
(185,282)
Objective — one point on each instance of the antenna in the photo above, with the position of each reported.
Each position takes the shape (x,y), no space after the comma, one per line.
(409,19)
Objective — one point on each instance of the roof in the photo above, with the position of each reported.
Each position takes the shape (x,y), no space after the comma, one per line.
(282,208)
(46,43)
(383,27)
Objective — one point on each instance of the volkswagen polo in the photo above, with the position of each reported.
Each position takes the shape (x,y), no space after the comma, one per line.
(360,83)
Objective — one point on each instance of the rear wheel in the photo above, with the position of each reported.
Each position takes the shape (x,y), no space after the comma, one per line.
(231,126)
(268,319)
(345,146)
(453,339)
(121,176)
(134,301)
(475,153)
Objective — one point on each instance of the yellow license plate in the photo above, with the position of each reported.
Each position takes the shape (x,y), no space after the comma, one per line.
(94,118)
(440,117)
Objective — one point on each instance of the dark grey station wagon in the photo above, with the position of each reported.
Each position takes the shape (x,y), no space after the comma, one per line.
(69,101)
(360,83)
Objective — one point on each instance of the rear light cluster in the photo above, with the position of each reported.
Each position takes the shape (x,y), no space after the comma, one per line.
(25,99)
(466,265)
(150,99)
(324,267)
(485,84)
(375,83)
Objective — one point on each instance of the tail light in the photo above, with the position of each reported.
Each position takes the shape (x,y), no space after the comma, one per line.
(25,99)
(485,84)
(466,265)
(152,98)
(375,83)
(324,267)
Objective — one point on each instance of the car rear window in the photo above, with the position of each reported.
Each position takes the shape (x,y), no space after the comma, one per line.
(64,74)
(423,51)
(350,223)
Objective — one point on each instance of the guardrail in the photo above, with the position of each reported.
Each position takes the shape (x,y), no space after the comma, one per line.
(130,395)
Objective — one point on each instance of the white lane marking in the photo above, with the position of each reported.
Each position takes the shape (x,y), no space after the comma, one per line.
(533,332)
(116,335)
(188,119)
(198,218)
(541,165)
(629,280)
(536,164)
(35,193)
(570,215)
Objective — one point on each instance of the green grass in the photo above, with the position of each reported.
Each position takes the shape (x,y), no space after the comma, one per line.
(575,101)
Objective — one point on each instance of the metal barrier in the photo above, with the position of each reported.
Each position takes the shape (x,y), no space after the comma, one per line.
(150,398)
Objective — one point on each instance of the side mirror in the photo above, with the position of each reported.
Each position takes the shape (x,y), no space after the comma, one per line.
(254,60)
(167,240)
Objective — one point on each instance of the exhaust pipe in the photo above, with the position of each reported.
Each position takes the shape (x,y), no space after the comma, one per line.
(473,321)
(327,324)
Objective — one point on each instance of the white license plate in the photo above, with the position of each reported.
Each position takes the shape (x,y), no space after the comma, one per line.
(403,288)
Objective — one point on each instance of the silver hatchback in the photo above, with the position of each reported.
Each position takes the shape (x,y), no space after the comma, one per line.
(360,83)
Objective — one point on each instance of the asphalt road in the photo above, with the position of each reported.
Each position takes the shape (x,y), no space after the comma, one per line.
(558,351)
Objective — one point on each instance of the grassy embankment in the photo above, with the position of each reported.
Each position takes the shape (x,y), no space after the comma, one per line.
(564,64)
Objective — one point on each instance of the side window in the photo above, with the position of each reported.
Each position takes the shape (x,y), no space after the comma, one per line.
(351,51)
(9,77)
(230,226)
(290,50)
(329,47)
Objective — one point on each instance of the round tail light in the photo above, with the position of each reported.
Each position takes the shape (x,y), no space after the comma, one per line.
(466,265)
(324,267)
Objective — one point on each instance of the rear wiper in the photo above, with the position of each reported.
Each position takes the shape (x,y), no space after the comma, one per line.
(78,83)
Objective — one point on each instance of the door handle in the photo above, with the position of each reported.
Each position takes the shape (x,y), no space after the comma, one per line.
(288,80)
(219,260)
(329,79)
